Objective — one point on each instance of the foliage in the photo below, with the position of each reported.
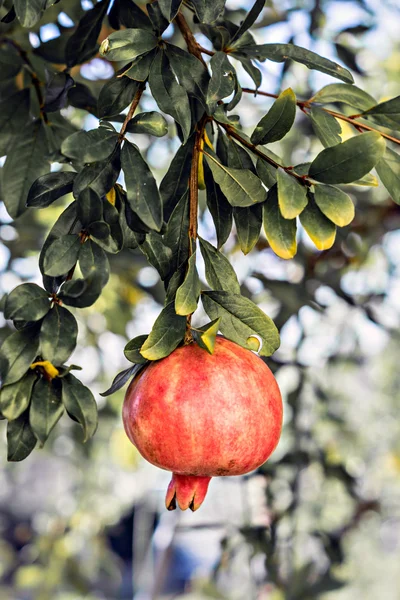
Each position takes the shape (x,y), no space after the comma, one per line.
(115,204)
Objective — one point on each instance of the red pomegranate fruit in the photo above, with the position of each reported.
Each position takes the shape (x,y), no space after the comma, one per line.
(201,415)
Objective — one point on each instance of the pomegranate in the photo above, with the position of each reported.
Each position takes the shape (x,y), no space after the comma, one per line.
(201,415)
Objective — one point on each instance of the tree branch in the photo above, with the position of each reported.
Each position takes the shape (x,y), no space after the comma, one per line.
(191,43)
(131,111)
(304,104)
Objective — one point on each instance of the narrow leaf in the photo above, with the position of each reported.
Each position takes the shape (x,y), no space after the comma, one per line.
(278,120)
(46,408)
(219,207)
(292,196)
(121,379)
(280,231)
(187,295)
(82,44)
(80,403)
(325,126)
(222,82)
(248,223)
(219,272)
(388,169)
(48,188)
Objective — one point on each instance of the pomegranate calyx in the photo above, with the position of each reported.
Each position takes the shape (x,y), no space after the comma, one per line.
(188,491)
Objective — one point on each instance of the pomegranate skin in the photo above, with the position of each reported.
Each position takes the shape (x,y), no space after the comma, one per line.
(203,415)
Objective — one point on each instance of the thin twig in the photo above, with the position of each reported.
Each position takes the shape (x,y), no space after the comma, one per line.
(131,111)
(303,104)
(191,43)
(35,79)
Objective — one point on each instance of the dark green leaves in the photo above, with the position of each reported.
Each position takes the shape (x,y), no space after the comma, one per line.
(151,123)
(326,127)
(27,302)
(250,19)
(219,207)
(248,223)
(240,186)
(82,44)
(14,113)
(169,8)
(115,95)
(90,146)
(390,108)
(58,335)
(19,351)
(176,236)
(80,403)
(20,439)
(207,11)
(15,398)
(222,82)
(388,169)
(143,195)
(344,93)
(127,44)
(50,187)
(61,255)
(219,272)
(280,232)
(25,162)
(120,380)
(132,350)
(348,161)
(29,11)
(278,121)
(240,319)
(168,331)
(170,96)
(46,408)
(187,295)
(282,52)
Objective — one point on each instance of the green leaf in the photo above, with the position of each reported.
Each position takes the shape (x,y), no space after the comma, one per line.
(90,208)
(348,161)
(90,146)
(158,254)
(139,68)
(240,186)
(219,272)
(46,408)
(80,403)
(175,182)
(292,196)
(20,439)
(14,113)
(92,258)
(58,335)
(142,191)
(280,231)
(133,17)
(62,255)
(278,120)
(190,72)
(121,379)
(222,82)
(27,302)
(25,162)
(171,97)
(391,108)
(187,295)
(151,123)
(326,127)
(283,52)
(344,93)
(29,11)
(335,204)
(19,350)
(219,207)
(266,172)
(167,333)
(127,44)
(10,65)
(320,229)
(176,235)
(132,350)
(170,8)
(100,176)
(388,169)
(48,188)
(250,19)
(82,292)
(15,398)
(82,44)
(240,319)
(205,336)
(208,12)
(115,96)
(248,223)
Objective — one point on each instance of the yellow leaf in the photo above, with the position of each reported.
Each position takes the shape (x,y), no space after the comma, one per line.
(47,366)
(111,196)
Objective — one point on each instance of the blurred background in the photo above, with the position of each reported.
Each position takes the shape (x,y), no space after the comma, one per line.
(321,519)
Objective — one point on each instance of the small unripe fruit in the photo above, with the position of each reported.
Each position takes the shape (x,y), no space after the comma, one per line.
(201,415)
